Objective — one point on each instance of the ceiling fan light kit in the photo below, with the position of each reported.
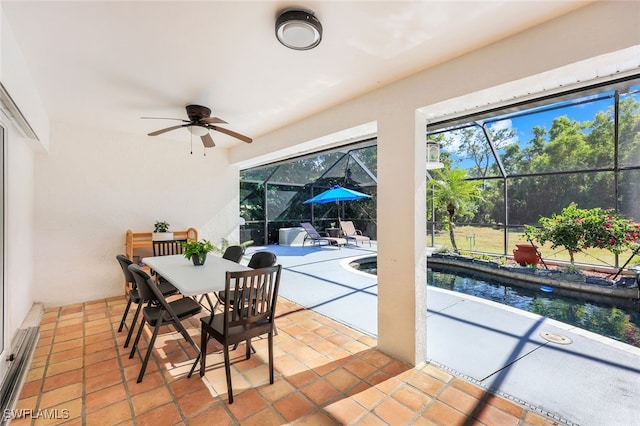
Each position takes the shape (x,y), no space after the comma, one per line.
(198,130)
(298,29)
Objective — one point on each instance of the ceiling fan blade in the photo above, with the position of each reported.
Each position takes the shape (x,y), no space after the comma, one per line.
(214,120)
(164,118)
(236,135)
(207,141)
(168,129)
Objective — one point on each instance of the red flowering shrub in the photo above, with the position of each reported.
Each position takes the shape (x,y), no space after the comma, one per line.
(578,229)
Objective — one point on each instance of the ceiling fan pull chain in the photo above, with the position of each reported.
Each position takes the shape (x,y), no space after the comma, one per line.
(191,138)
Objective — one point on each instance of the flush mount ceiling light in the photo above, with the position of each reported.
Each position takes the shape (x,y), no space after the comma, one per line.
(298,29)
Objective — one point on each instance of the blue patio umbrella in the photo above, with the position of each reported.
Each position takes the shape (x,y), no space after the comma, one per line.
(336,194)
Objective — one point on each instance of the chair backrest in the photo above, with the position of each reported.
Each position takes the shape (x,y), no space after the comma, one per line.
(166,248)
(233,253)
(348,227)
(144,283)
(262,259)
(124,264)
(250,298)
(310,230)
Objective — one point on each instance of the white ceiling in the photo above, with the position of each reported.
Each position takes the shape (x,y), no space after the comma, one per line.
(106,64)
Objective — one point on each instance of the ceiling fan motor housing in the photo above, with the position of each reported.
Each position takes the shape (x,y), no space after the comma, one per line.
(197,112)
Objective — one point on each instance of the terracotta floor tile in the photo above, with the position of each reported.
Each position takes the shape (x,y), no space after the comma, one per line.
(68,336)
(504,405)
(320,392)
(376,358)
(246,403)
(276,391)
(186,386)
(150,400)
(64,366)
(294,407)
(108,365)
(394,413)
(370,419)
(65,346)
(217,415)
(110,415)
(96,383)
(442,414)
(426,383)
(412,398)
(65,355)
(325,374)
(341,379)
(99,337)
(302,378)
(104,397)
(63,394)
(459,400)
(318,418)
(490,415)
(31,388)
(345,411)
(266,417)
(360,368)
(196,402)
(167,414)
(63,379)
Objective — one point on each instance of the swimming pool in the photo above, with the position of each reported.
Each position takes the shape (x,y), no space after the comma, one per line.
(613,321)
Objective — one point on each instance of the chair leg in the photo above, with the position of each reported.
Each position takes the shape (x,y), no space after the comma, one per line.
(204,338)
(133,325)
(248,348)
(227,370)
(149,350)
(124,315)
(270,339)
(135,342)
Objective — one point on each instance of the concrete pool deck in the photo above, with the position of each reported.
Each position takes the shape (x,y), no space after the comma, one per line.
(575,376)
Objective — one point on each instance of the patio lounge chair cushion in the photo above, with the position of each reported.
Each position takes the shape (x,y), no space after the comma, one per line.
(351,233)
(316,237)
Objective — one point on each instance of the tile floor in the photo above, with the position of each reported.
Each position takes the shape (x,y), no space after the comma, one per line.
(326,374)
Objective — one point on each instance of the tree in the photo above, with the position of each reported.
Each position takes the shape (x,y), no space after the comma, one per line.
(454,192)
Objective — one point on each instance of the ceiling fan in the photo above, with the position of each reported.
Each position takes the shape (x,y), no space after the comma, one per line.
(200,123)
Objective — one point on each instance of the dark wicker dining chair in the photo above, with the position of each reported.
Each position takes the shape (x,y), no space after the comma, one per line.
(243,317)
(159,312)
(166,288)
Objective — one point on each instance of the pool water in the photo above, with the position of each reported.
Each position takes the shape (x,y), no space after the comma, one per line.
(619,323)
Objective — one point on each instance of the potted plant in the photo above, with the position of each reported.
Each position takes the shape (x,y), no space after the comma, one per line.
(161,231)
(197,251)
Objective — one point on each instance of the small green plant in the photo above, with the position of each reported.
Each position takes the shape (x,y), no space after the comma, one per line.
(572,269)
(160,226)
(199,248)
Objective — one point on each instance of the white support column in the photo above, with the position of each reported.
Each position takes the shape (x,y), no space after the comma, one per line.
(401,207)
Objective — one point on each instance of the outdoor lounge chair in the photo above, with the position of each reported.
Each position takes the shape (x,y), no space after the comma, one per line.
(317,238)
(351,233)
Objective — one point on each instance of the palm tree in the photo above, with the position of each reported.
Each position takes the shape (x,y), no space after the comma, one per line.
(452,190)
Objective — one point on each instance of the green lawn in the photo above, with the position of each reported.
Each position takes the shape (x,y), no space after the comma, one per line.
(489,240)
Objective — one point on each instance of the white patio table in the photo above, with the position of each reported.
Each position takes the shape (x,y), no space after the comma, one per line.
(193,280)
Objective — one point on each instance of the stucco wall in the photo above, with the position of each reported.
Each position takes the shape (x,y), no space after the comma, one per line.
(93,185)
